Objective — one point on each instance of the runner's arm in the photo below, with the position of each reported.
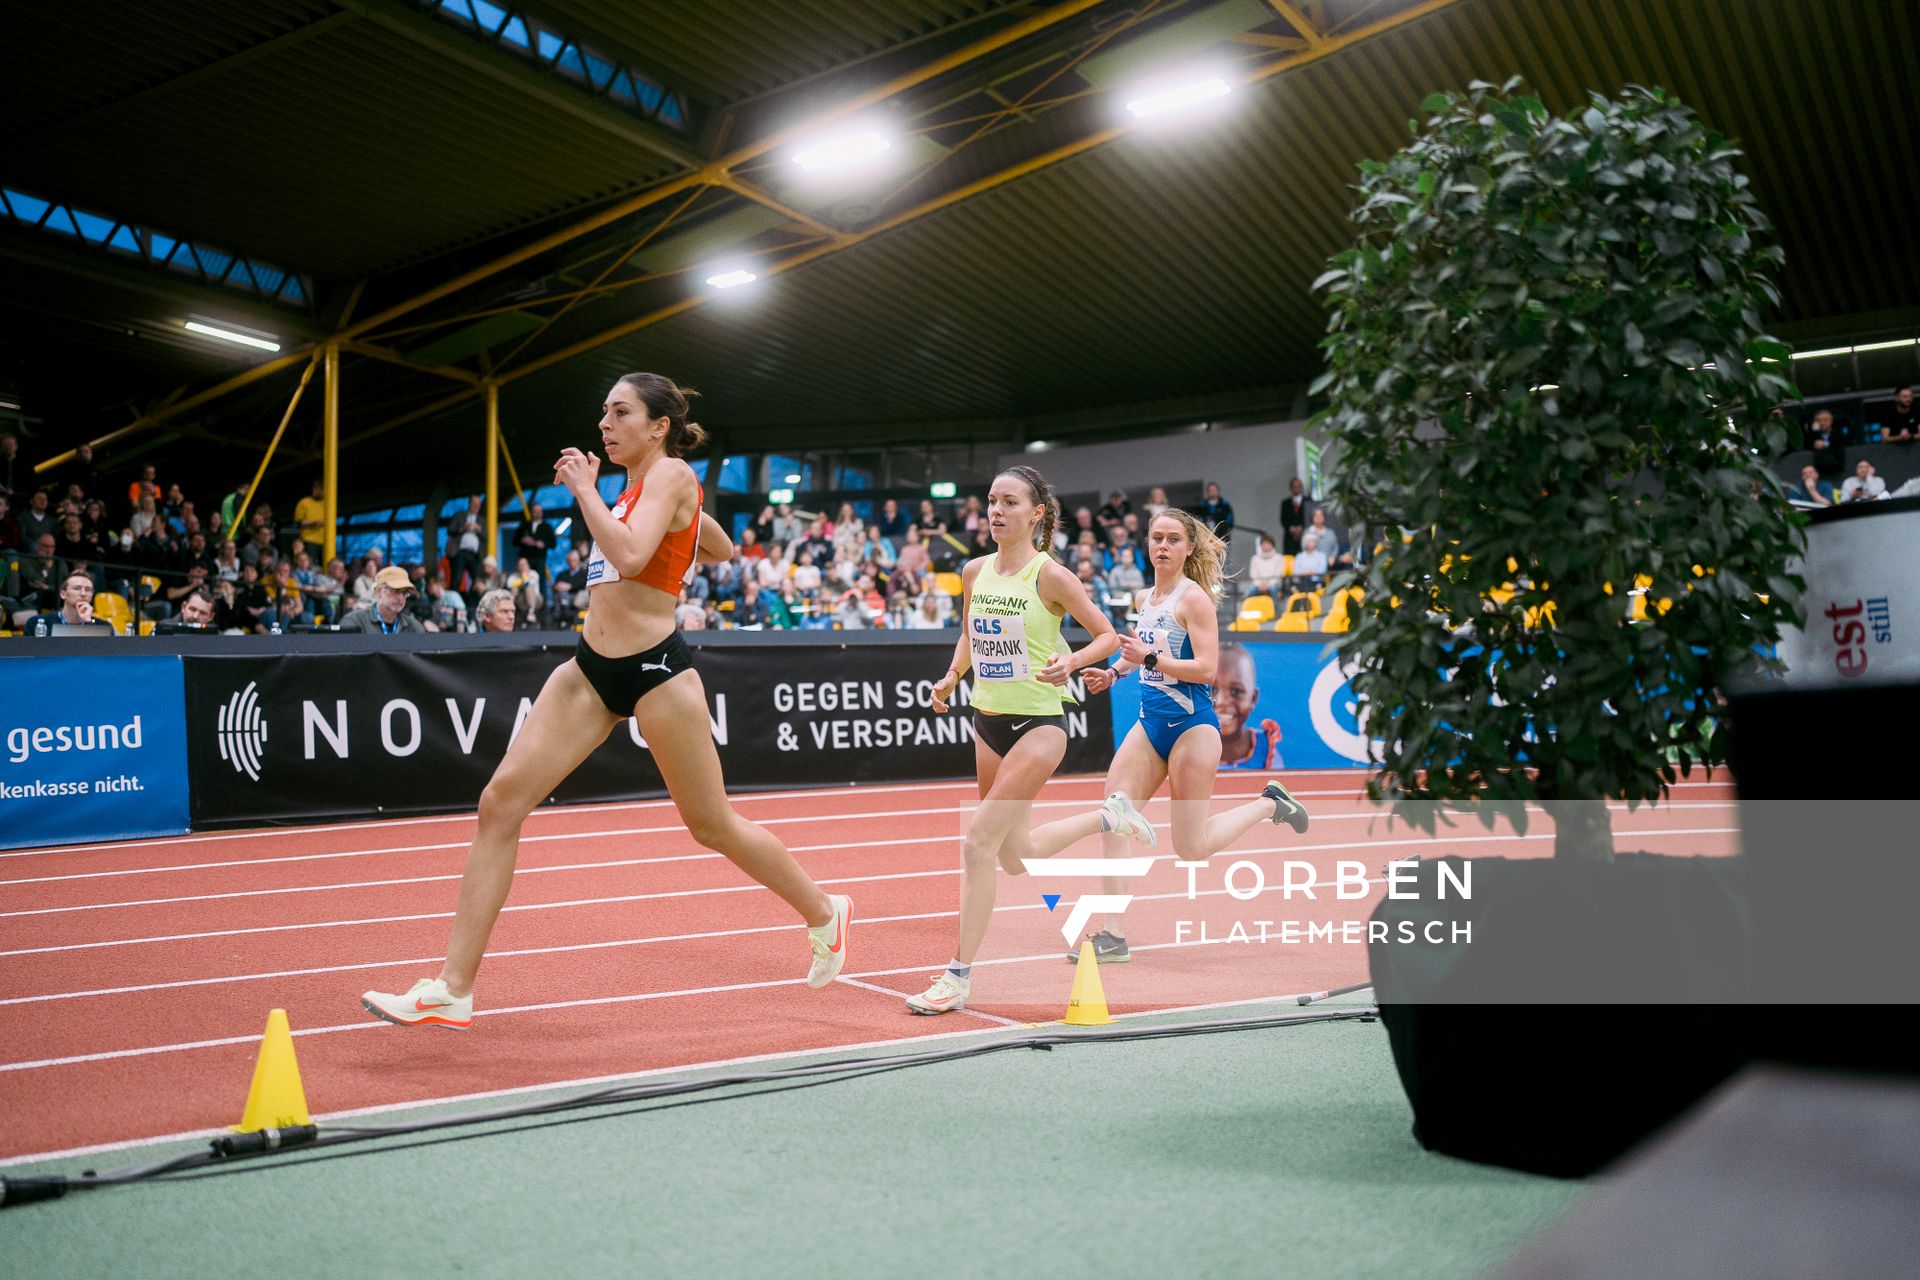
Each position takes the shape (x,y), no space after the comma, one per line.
(962,649)
(715,545)
(1060,586)
(1195,611)
(630,544)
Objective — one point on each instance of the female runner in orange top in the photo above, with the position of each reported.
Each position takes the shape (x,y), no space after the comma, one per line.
(631,662)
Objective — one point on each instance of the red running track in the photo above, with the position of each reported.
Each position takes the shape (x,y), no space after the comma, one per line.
(135,978)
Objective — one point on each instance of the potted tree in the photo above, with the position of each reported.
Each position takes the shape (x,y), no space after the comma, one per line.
(1546,369)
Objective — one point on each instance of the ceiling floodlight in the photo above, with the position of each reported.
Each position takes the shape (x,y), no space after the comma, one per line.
(728,279)
(842,150)
(793,479)
(1180,96)
(230,335)
(1826,351)
(1882,346)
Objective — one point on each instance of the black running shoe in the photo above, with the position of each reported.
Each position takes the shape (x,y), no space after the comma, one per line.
(1108,948)
(1285,808)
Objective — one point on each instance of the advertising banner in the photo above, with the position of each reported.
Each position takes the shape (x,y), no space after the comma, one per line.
(1862,601)
(354,735)
(1283,704)
(95,749)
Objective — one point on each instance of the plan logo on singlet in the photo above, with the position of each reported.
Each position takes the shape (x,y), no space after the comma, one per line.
(1088,869)
(242,732)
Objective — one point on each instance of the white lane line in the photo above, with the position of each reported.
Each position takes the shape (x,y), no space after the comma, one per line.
(1370,815)
(1420,843)
(1296,887)
(591,1082)
(373,1024)
(902,996)
(263,833)
(616,862)
(622,806)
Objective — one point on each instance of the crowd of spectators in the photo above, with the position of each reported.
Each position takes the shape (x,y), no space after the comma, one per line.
(1834,473)
(177,563)
(71,543)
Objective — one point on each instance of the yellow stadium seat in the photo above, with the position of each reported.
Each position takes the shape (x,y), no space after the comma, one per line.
(1257,609)
(112,607)
(1293,622)
(1243,624)
(146,626)
(1340,613)
(949,584)
(1307,602)
(1637,607)
(1286,566)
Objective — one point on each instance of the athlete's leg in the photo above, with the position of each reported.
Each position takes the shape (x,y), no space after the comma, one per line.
(567,722)
(673,719)
(1191,769)
(1128,773)
(1005,806)
(1137,770)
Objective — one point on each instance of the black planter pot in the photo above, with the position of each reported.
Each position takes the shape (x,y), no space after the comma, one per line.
(1591,1006)
(1830,830)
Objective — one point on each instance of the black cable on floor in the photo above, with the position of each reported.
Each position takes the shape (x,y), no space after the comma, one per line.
(230,1154)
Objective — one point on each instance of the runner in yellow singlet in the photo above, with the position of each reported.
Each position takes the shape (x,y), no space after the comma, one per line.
(1010,638)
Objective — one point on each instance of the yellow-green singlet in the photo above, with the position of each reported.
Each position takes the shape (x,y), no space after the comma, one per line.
(1012,635)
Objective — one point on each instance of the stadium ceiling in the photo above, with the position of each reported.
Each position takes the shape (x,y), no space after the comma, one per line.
(532,193)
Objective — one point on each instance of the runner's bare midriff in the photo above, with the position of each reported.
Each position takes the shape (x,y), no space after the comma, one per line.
(625,618)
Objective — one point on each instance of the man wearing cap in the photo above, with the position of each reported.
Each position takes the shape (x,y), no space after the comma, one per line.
(388,612)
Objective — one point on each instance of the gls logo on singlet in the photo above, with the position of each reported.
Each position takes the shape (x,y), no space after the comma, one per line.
(999,648)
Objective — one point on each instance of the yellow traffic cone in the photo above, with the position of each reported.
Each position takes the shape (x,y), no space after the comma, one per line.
(276,1100)
(1087,1003)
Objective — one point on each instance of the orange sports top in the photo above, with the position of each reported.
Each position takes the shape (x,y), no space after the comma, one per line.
(667,571)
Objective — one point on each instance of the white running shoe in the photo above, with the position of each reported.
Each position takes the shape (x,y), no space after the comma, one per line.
(428,1003)
(1124,819)
(945,995)
(829,942)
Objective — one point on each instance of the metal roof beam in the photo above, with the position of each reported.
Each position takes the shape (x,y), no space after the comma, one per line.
(397,17)
(1299,21)
(1326,48)
(503,68)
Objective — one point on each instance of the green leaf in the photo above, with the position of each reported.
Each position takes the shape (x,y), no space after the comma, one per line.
(1426,182)
(1435,103)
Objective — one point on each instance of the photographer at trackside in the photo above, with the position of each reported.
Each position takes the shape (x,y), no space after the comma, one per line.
(388,614)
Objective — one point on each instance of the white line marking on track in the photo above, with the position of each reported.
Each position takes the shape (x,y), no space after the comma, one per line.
(374,824)
(644,941)
(622,806)
(1421,843)
(889,992)
(582,866)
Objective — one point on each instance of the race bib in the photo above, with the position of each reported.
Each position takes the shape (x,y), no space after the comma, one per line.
(999,649)
(1159,642)
(598,570)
